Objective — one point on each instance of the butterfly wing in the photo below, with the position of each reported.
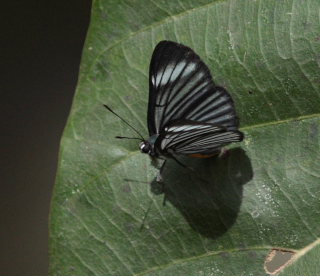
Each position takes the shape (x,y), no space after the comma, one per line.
(188,137)
(181,88)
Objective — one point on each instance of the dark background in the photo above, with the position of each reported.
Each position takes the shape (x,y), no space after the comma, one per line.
(41,44)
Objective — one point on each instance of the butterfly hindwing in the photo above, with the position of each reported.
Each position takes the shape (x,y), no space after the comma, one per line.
(188,137)
(181,88)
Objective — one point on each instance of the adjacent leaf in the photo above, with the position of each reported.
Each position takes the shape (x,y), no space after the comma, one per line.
(224,219)
(306,261)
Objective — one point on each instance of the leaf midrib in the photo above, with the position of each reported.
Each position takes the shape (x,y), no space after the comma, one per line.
(298,254)
(268,124)
(249,127)
(211,253)
(133,153)
(279,122)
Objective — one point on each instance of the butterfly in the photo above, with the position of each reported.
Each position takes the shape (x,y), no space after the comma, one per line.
(187,113)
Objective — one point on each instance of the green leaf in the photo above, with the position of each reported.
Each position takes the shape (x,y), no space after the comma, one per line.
(224,219)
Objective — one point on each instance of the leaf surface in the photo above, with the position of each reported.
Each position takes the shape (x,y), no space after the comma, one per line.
(224,219)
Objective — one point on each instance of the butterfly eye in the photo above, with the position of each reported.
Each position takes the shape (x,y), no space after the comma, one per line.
(145,147)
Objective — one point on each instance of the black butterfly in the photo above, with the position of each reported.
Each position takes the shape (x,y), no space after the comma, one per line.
(187,113)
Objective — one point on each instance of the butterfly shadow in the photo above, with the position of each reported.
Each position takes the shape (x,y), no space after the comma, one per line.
(210,196)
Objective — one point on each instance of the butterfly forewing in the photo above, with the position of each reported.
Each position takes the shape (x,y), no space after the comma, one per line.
(181,88)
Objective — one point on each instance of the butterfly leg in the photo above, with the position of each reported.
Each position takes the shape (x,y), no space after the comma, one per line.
(224,153)
(159,179)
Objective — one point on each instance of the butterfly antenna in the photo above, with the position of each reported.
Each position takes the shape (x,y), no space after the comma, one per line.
(121,137)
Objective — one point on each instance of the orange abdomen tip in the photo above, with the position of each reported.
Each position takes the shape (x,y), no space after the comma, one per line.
(199,155)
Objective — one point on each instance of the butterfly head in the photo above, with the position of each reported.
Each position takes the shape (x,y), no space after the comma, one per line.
(146,147)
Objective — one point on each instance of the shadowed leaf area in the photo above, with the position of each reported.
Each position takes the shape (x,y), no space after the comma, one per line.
(210,196)
(224,216)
